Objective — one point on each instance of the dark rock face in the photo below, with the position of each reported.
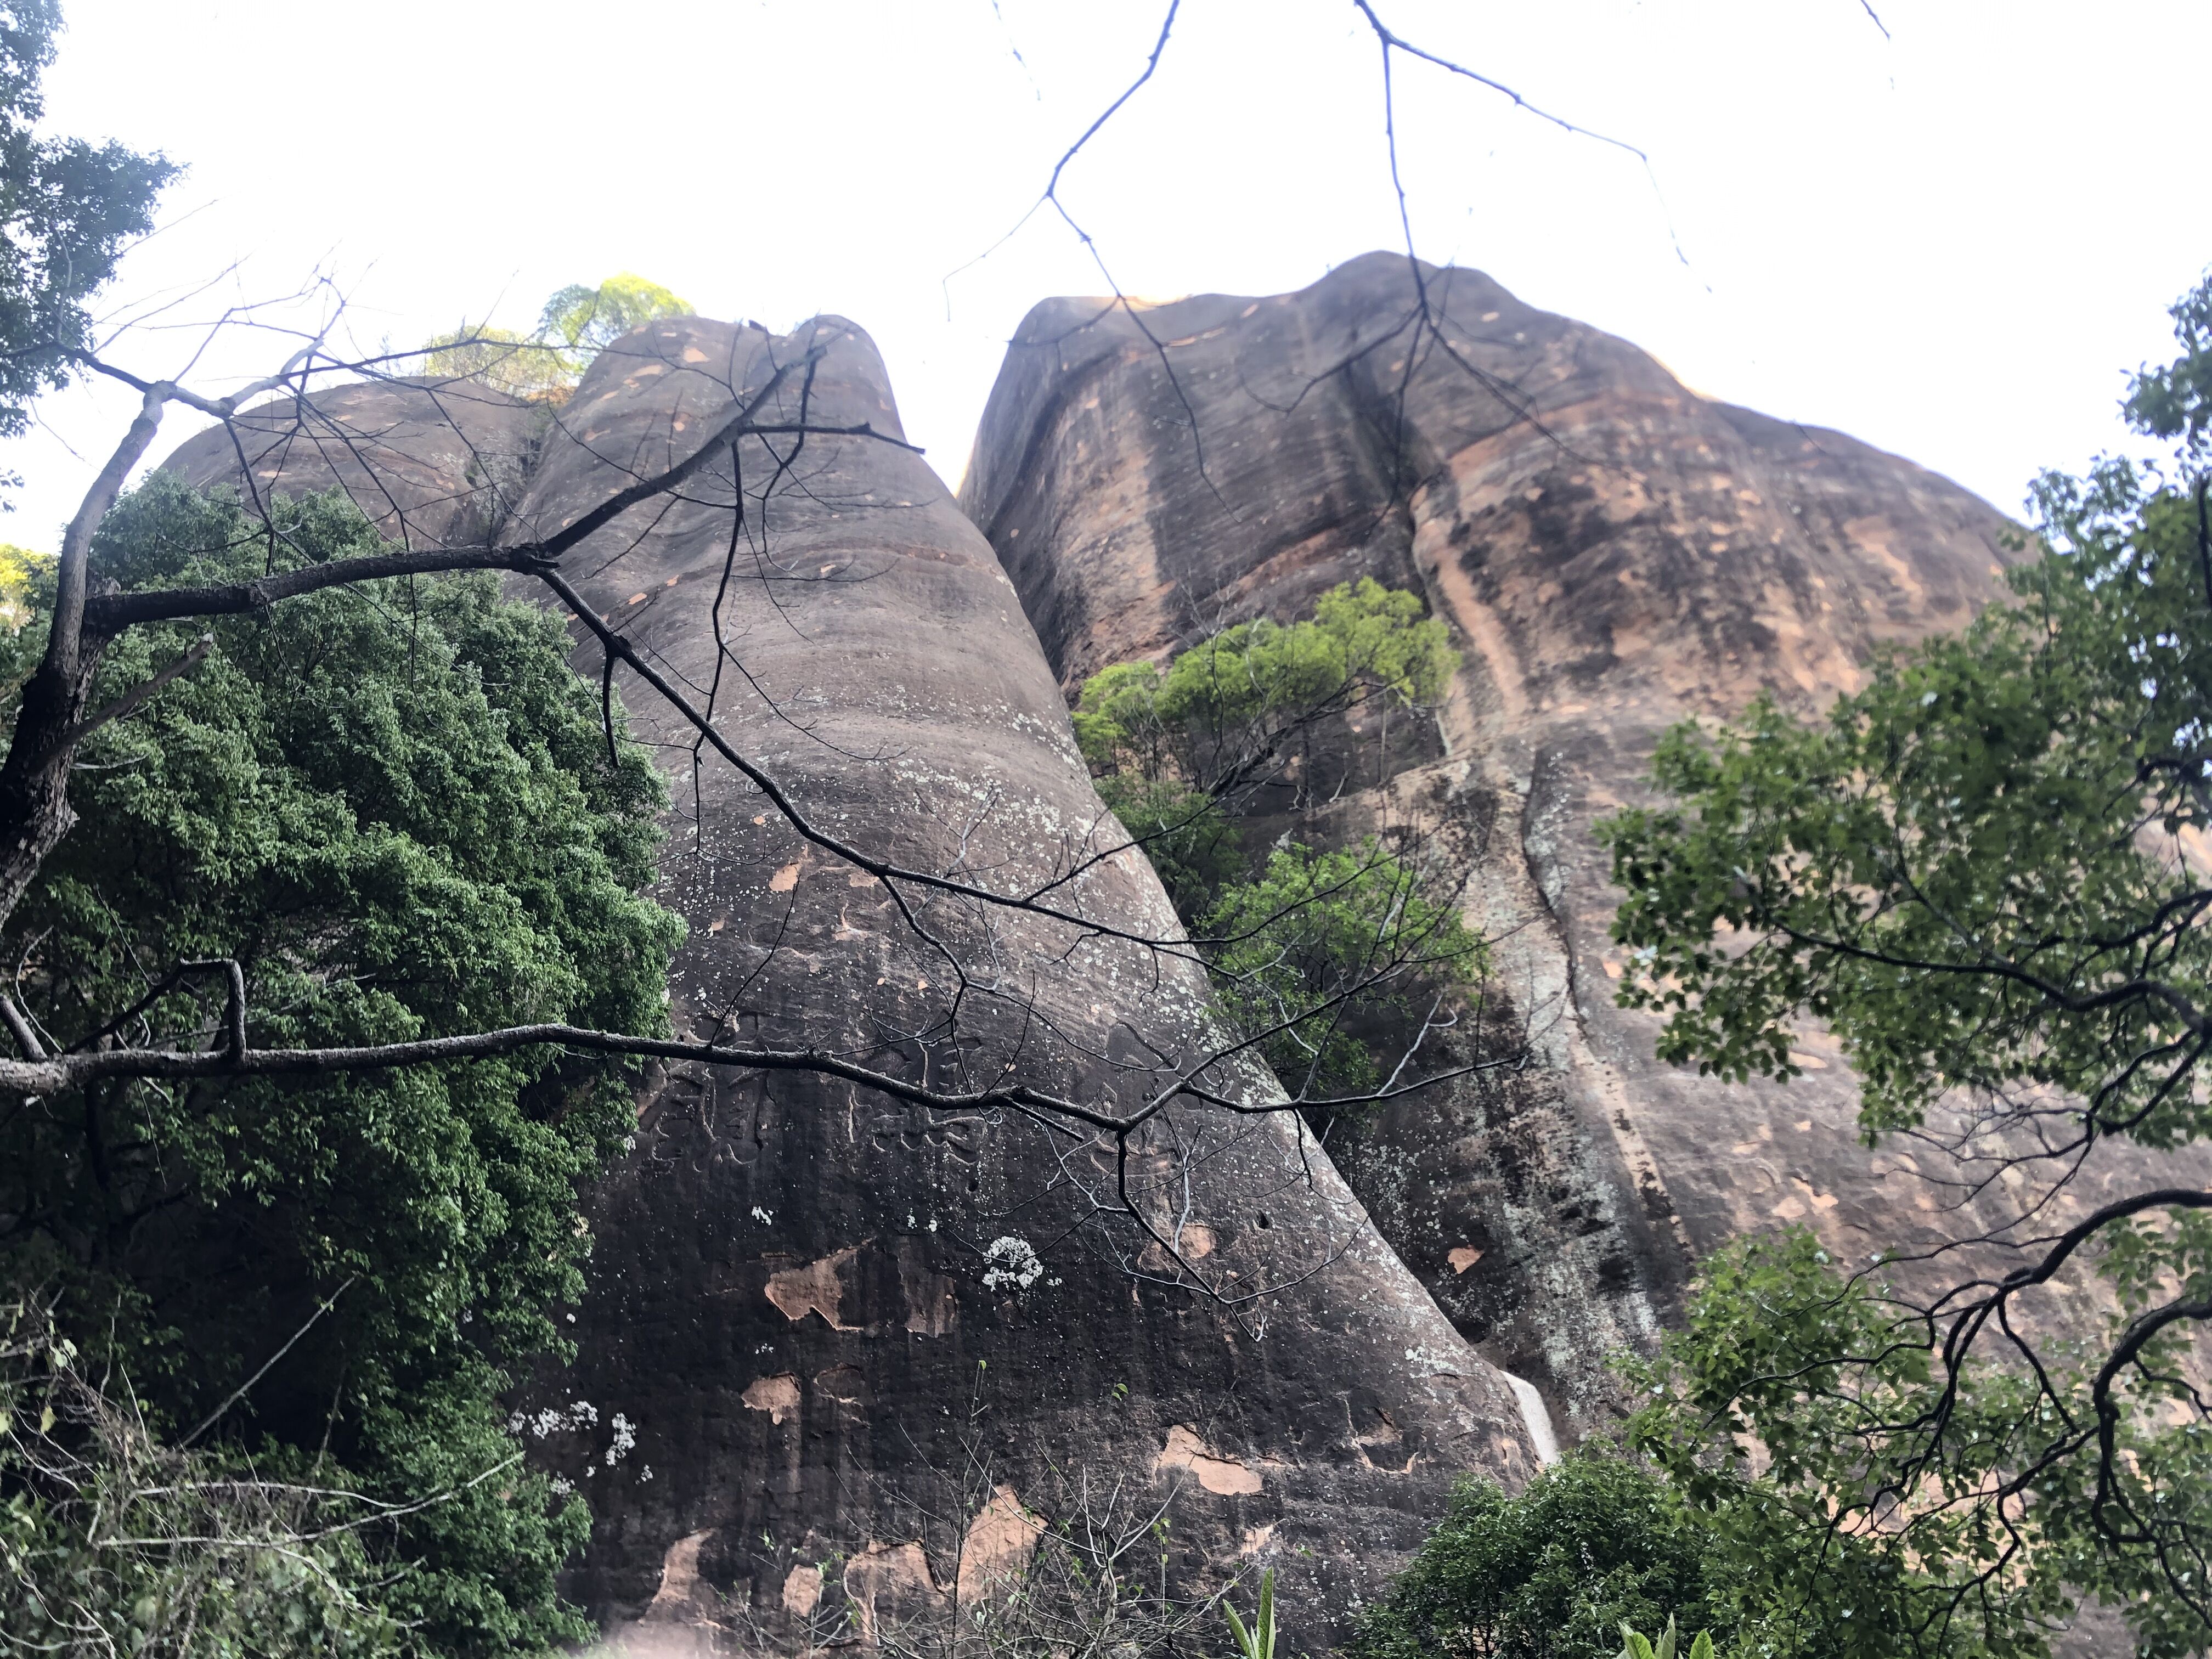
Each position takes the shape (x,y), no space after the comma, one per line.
(809,1304)
(1615,554)
(432,461)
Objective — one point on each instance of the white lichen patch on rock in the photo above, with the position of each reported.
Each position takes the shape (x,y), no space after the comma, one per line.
(1011,1264)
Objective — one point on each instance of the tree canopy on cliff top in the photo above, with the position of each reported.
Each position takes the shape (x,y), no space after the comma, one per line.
(577,324)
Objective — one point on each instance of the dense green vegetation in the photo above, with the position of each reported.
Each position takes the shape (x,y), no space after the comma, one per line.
(1987,873)
(1326,957)
(1333,957)
(1175,751)
(394,805)
(1552,1572)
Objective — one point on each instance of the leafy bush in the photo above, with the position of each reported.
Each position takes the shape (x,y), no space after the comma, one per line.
(1224,713)
(394,805)
(113,1543)
(1311,954)
(1848,1541)
(1192,842)
(1316,955)
(1550,1573)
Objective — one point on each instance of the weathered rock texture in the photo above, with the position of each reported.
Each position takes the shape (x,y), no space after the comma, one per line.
(1615,554)
(794,1308)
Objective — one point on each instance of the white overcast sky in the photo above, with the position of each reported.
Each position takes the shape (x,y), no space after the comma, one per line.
(1950,239)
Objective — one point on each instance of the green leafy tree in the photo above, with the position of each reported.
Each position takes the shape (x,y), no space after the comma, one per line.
(1327,958)
(68,210)
(577,324)
(587,320)
(1552,1572)
(1987,873)
(1234,711)
(500,359)
(115,1543)
(392,805)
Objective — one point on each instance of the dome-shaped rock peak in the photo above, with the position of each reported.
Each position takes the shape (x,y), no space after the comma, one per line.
(1615,553)
(836,1328)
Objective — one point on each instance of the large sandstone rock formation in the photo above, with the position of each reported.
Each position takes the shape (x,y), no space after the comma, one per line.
(1615,553)
(813,1314)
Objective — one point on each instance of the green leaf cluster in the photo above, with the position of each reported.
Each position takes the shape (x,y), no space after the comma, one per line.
(68,210)
(1795,1411)
(577,324)
(2174,402)
(1635,1645)
(1320,949)
(587,320)
(1553,1572)
(1975,870)
(113,1543)
(394,804)
(1257,1640)
(1224,710)
(1319,957)
(1986,871)
(1193,844)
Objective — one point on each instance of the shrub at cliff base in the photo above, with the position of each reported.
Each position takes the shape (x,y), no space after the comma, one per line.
(1550,1573)
(394,805)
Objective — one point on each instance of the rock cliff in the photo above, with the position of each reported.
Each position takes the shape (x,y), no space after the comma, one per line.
(834,1342)
(1615,553)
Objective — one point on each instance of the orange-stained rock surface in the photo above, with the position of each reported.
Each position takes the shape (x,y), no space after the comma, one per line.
(1615,553)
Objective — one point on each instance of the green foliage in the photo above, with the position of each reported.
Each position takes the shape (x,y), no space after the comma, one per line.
(2175,402)
(1225,711)
(68,209)
(587,320)
(1257,1640)
(1956,843)
(1553,1572)
(1984,874)
(577,324)
(1636,1646)
(394,805)
(1970,870)
(1315,952)
(113,1543)
(1322,958)
(499,358)
(1190,840)
(1845,1544)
